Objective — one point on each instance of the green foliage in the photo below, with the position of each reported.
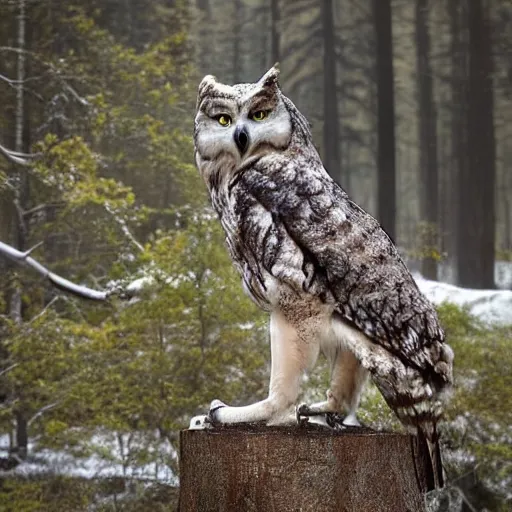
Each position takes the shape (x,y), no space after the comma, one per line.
(478,418)
(115,195)
(118,381)
(504,255)
(51,493)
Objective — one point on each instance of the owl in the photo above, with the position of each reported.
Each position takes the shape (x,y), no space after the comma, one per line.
(325,270)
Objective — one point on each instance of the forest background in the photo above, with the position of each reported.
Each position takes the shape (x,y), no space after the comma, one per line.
(410,103)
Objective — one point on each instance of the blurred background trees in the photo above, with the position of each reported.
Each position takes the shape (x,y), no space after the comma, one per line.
(411,108)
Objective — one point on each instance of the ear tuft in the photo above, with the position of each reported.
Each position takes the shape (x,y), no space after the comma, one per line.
(207,83)
(271,77)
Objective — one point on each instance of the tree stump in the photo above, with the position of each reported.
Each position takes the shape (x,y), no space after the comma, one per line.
(249,468)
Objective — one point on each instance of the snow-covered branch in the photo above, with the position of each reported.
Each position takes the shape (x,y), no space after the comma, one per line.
(17,158)
(24,258)
(54,71)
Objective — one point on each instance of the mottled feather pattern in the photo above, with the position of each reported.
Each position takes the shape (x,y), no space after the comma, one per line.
(345,258)
(303,247)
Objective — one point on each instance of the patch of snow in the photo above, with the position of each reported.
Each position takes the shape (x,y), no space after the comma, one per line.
(111,455)
(493,307)
(503,275)
(447,271)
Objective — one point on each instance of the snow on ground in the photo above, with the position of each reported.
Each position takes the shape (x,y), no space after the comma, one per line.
(493,307)
(503,274)
(105,461)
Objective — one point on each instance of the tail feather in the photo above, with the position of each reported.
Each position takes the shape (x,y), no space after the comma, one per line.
(430,453)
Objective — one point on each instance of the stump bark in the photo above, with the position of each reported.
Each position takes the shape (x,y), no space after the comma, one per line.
(308,469)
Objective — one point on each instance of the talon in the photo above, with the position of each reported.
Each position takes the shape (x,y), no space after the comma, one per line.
(335,421)
(214,407)
(306,410)
(300,411)
(303,410)
(200,423)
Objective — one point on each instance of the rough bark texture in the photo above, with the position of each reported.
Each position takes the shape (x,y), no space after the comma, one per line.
(281,469)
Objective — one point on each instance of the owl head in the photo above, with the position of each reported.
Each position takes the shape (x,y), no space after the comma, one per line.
(236,125)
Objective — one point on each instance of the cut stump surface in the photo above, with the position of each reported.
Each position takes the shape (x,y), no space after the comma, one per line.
(249,468)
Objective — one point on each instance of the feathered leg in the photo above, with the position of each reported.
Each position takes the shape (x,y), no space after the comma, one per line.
(347,382)
(291,355)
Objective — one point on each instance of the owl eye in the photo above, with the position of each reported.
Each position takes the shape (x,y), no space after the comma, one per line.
(223,119)
(259,115)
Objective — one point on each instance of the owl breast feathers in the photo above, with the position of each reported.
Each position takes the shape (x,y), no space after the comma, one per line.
(312,257)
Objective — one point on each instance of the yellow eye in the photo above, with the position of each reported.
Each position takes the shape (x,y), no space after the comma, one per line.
(259,115)
(224,120)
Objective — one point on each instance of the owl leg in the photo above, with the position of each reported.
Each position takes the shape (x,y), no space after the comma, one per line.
(347,381)
(291,357)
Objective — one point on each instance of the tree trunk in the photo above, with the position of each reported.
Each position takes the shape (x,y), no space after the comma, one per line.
(275,16)
(205,35)
(428,143)
(285,469)
(457,13)
(385,117)
(237,39)
(331,135)
(476,221)
(20,193)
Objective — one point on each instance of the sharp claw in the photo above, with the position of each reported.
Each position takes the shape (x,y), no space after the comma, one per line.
(300,411)
(207,421)
(305,410)
(335,421)
(200,423)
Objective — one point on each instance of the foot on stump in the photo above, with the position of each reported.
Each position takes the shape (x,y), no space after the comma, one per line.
(306,413)
(209,420)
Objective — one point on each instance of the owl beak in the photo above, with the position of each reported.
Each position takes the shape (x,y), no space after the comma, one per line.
(241,138)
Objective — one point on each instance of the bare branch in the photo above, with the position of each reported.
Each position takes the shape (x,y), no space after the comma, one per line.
(41,411)
(12,157)
(75,95)
(24,258)
(45,309)
(8,369)
(12,81)
(56,73)
(124,228)
(42,208)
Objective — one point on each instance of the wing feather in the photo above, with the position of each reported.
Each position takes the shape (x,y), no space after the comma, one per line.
(347,258)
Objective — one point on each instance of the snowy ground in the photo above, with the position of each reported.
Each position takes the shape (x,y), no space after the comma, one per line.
(493,307)
(106,460)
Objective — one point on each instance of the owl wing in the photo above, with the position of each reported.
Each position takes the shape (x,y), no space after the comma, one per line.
(321,242)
